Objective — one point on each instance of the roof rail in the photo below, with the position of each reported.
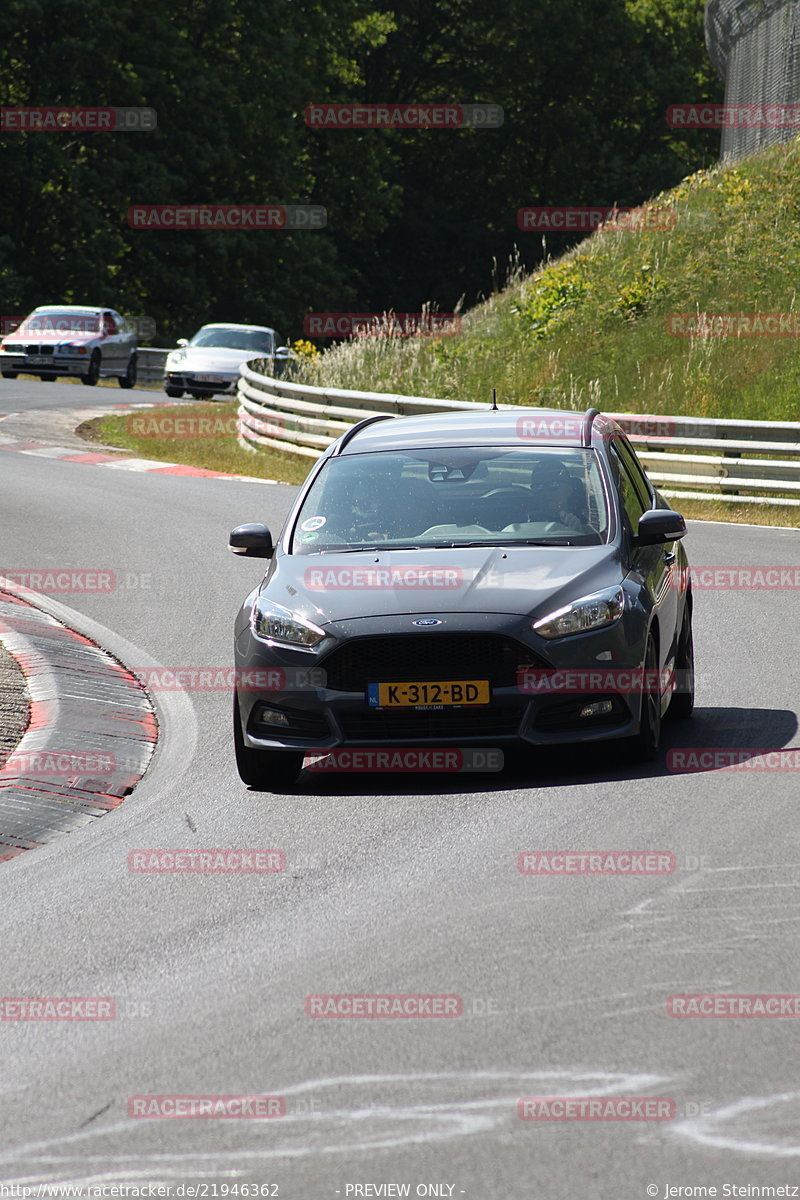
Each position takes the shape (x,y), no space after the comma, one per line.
(354,429)
(586,428)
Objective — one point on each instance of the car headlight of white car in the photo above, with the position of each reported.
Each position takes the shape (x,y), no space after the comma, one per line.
(271,622)
(590,612)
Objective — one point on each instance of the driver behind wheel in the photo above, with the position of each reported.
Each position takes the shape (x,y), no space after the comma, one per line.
(555,495)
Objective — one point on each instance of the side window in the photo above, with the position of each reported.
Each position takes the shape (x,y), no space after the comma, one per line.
(638,476)
(628,494)
(109,325)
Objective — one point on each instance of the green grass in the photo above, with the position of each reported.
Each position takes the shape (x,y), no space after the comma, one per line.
(590,328)
(219,452)
(744,514)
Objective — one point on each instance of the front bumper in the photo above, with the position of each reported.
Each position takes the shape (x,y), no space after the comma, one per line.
(316,716)
(45,364)
(190,381)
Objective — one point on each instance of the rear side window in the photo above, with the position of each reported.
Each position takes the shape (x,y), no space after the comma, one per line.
(631,501)
(635,471)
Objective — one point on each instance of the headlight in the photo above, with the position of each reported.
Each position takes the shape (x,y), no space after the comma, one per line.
(590,612)
(177,356)
(272,623)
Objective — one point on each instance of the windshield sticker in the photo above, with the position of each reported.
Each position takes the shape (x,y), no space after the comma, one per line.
(313,523)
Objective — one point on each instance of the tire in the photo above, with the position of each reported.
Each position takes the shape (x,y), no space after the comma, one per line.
(201,396)
(644,746)
(128,380)
(9,374)
(174,393)
(265,770)
(681,705)
(93,374)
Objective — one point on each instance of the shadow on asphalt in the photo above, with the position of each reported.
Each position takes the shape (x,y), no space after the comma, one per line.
(734,735)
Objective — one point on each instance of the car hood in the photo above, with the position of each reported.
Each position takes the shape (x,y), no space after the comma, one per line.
(50,337)
(520,580)
(214,358)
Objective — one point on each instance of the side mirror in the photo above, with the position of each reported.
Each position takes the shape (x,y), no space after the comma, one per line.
(659,525)
(182,342)
(251,541)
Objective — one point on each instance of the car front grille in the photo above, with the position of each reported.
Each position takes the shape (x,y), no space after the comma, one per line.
(410,657)
(444,724)
(30,348)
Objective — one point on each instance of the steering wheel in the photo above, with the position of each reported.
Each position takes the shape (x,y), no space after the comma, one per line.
(505,503)
(513,489)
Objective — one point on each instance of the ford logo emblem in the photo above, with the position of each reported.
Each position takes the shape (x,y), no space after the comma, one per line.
(427,621)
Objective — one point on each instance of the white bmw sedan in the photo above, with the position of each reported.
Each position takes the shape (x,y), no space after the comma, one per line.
(71,339)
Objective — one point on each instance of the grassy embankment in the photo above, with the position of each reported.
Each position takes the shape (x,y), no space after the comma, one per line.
(592,326)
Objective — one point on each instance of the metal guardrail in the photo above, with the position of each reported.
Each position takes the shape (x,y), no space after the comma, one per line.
(746,462)
(150,365)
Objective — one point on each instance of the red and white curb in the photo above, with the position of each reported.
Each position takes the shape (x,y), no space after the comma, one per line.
(91,735)
(117,461)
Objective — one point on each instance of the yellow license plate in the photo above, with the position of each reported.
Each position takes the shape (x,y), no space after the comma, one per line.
(440,692)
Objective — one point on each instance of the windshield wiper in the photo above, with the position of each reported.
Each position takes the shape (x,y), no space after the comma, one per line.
(384,547)
(523,542)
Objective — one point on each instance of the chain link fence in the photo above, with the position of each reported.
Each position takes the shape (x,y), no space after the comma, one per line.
(755,47)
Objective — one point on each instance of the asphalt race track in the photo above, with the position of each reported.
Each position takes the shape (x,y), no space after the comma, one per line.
(401,884)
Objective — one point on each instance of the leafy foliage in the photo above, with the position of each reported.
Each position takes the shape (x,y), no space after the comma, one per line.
(412,215)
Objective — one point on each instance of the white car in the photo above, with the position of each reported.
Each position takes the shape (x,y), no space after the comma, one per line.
(210,362)
(71,339)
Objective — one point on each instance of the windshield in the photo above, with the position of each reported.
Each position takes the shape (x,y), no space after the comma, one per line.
(234,339)
(61,322)
(454,497)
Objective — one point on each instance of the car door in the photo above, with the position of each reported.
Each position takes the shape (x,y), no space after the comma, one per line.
(127,338)
(110,349)
(654,565)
